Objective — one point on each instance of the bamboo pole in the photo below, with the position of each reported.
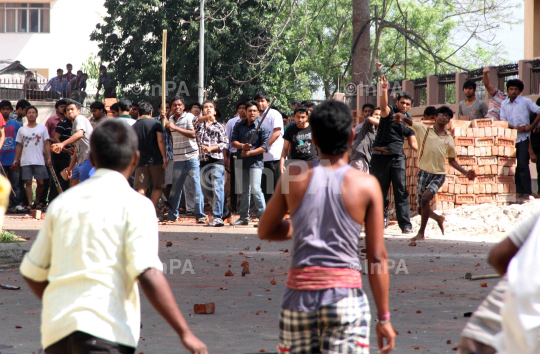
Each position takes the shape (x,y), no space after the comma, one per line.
(164,75)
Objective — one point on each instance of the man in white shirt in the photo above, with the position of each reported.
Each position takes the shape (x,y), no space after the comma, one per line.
(99,241)
(231,151)
(271,158)
(516,111)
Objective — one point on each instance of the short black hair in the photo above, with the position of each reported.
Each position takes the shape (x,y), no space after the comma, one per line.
(192,104)
(114,107)
(124,104)
(515,83)
(62,70)
(176,98)
(430,111)
(261,94)
(69,102)
(252,103)
(113,144)
(331,125)
(377,108)
(469,83)
(300,108)
(97,105)
(242,102)
(134,104)
(295,102)
(23,104)
(102,67)
(368,105)
(308,104)
(145,109)
(59,103)
(161,104)
(218,112)
(32,107)
(6,103)
(445,110)
(68,64)
(405,95)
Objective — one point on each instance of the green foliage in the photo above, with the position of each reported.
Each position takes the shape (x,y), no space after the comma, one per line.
(9,237)
(321,34)
(236,35)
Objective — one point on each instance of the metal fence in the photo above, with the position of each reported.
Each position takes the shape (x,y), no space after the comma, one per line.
(535,76)
(505,73)
(420,92)
(447,89)
(32,89)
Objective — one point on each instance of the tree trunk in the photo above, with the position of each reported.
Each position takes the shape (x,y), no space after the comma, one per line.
(362,52)
(327,92)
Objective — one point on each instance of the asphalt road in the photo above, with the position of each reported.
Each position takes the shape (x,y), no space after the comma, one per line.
(428,295)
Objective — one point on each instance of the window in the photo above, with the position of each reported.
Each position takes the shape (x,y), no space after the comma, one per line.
(23,17)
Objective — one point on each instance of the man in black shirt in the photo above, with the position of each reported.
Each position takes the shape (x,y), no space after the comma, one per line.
(534,144)
(388,159)
(153,160)
(62,160)
(298,139)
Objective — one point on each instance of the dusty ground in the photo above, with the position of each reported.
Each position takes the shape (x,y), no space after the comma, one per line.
(429,294)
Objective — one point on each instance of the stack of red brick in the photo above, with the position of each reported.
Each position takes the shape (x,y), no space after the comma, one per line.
(483,145)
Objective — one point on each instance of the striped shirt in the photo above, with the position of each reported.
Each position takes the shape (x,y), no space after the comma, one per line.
(184,148)
(494,109)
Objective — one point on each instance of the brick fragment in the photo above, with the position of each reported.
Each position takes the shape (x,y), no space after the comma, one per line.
(205,309)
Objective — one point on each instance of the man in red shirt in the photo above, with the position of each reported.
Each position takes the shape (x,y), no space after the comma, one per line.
(69,75)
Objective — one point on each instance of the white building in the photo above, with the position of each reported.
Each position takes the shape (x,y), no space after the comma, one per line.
(45,35)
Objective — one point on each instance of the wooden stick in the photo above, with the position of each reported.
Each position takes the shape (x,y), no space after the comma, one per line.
(488,276)
(262,120)
(55,179)
(164,74)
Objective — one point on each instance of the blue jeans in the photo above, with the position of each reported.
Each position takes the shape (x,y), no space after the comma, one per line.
(251,184)
(181,171)
(213,187)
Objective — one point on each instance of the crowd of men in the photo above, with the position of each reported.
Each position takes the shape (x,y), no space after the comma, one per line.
(184,151)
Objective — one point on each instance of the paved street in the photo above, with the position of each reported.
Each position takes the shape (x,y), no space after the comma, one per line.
(427,304)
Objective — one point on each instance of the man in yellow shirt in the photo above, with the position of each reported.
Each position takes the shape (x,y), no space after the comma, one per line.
(435,145)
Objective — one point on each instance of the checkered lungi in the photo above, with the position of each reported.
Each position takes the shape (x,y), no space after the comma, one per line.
(338,328)
(429,181)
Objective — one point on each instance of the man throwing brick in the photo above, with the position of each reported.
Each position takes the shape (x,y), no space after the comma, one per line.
(436,144)
(515,110)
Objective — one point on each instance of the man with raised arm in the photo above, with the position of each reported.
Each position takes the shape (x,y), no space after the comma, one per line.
(324,309)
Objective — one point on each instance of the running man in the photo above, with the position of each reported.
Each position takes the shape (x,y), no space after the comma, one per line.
(324,289)
(437,144)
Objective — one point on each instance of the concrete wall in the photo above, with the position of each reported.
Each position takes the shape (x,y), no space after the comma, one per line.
(72,22)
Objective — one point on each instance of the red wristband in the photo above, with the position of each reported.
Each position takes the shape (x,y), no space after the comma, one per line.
(384,317)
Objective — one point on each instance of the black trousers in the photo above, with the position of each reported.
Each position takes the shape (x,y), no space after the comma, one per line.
(84,343)
(270,178)
(523,173)
(536,150)
(391,168)
(59,164)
